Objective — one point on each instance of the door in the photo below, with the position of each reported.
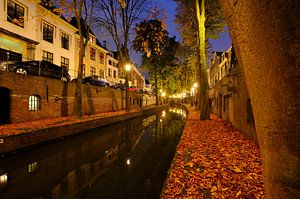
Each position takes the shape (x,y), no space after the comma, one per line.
(4,105)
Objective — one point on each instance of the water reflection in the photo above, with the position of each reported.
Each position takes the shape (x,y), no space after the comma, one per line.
(128,160)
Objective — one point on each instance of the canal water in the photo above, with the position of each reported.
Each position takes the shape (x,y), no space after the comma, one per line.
(127,160)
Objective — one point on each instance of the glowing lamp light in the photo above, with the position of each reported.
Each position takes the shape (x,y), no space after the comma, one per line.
(195,85)
(127,67)
(163,94)
(128,162)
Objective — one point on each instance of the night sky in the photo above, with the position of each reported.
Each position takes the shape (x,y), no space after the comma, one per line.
(221,44)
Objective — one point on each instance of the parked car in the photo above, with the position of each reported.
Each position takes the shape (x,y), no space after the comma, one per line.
(39,68)
(93,80)
(119,86)
(4,65)
(132,88)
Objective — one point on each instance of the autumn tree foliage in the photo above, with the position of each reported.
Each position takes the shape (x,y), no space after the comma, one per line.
(117,18)
(150,37)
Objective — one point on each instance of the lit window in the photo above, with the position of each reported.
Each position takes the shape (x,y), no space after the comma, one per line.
(34,103)
(83,70)
(65,41)
(48,31)
(15,13)
(92,53)
(47,56)
(64,62)
(32,167)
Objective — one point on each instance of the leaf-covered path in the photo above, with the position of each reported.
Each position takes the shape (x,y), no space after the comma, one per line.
(214,160)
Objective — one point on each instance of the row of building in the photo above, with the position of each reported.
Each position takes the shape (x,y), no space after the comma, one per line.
(228,93)
(29,31)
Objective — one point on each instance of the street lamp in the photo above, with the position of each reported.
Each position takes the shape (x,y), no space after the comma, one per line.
(127,69)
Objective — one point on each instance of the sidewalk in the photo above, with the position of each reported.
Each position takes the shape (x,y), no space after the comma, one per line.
(214,160)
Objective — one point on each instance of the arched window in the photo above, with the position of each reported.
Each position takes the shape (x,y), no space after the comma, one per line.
(34,103)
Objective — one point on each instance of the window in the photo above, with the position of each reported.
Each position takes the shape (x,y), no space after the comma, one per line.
(65,41)
(47,56)
(32,167)
(48,31)
(115,74)
(101,57)
(109,62)
(101,73)
(83,70)
(64,62)
(93,70)
(109,72)
(15,13)
(34,103)
(92,53)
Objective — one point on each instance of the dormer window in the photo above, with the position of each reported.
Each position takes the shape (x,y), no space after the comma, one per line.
(92,39)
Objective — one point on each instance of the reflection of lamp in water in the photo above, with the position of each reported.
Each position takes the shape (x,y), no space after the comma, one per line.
(3,179)
(128,162)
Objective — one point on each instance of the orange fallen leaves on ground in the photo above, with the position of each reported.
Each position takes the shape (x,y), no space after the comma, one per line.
(214,160)
(24,127)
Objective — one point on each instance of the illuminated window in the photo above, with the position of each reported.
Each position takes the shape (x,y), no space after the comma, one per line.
(48,32)
(83,70)
(34,103)
(15,13)
(32,167)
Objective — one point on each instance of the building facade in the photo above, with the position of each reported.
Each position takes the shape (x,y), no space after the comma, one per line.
(228,94)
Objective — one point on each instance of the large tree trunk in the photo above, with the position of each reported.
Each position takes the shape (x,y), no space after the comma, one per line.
(203,88)
(78,92)
(266,37)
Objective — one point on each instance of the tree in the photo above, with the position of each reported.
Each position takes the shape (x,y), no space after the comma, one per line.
(82,10)
(268,52)
(193,22)
(118,17)
(150,37)
(202,77)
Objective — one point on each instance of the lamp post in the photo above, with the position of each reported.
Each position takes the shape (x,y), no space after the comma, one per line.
(127,69)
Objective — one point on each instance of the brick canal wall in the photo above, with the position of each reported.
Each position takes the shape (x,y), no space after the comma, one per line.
(57,97)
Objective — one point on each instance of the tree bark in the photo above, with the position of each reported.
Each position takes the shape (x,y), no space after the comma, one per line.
(266,37)
(203,81)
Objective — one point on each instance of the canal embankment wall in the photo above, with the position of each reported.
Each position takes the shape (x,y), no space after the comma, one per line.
(35,137)
(26,98)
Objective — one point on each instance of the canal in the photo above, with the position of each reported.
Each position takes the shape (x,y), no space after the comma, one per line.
(126,160)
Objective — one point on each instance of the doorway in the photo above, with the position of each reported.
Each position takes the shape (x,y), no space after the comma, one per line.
(4,105)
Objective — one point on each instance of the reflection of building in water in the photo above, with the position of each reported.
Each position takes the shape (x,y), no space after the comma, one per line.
(71,168)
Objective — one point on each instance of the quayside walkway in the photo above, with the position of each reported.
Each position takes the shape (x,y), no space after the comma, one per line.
(214,160)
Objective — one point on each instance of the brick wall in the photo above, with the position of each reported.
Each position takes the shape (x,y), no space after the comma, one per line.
(57,97)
